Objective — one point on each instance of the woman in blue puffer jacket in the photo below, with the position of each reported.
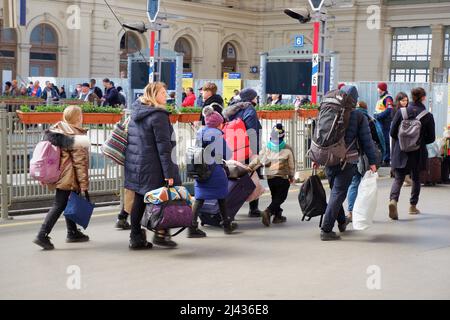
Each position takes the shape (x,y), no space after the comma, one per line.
(215,187)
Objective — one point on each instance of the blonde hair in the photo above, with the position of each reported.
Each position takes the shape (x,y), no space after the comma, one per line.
(72,114)
(150,93)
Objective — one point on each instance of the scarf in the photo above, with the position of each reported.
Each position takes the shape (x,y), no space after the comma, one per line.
(276,147)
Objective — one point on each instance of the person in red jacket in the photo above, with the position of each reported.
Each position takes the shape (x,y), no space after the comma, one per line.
(189,101)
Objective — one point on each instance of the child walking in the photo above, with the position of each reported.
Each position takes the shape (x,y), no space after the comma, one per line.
(278,161)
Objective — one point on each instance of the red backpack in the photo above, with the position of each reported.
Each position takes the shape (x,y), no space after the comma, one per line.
(235,134)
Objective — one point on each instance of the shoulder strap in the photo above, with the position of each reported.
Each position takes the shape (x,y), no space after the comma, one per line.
(404,113)
(422,114)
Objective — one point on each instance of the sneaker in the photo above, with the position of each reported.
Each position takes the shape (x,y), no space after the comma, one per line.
(122,224)
(279,219)
(266,218)
(413,210)
(163,241)
(195,232)
(76,236)
(228,229)
(254,213)
(393,212)
(329,236)
(343,227)
(44,242)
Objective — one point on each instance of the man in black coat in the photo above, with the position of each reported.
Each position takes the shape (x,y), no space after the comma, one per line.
(111,97)
(210,97)
(410,163)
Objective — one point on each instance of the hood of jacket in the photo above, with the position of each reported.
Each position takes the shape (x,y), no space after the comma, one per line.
(214,99)
(142,111)
(235,108)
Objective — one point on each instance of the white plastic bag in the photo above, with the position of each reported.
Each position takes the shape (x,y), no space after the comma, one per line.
(366,202)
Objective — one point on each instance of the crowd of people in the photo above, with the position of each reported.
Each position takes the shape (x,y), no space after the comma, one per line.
(149,162)
(88,92)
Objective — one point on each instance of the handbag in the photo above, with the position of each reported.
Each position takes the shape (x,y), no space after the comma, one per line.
(116,145)
(236,169)
(173,213)
(79,209)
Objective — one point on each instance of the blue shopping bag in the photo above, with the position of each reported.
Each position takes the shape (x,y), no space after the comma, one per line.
(79,209)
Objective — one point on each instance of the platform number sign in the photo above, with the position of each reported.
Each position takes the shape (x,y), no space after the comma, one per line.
(152,9)
(316,5)
(299,41)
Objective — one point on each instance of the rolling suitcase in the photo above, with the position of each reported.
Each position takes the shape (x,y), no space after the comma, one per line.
(433,173)
(238,192)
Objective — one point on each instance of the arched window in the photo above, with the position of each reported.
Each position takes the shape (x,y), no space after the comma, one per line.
(8,52)
(128,44)
(229,58)
(44,52)
(183,46)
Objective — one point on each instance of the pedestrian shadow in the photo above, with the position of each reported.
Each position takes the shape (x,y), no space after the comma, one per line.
(388,238)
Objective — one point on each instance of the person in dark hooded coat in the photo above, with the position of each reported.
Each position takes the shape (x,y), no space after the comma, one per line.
(245,110)
(148,161)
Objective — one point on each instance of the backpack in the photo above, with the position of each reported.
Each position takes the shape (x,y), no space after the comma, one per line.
(235,134)
(328,146)
(45,163)
(312,198)
(116,145)
(196,166)
(409,132)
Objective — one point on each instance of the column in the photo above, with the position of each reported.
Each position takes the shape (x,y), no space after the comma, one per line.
(85,43)
(23,60)
(212,54)
(63,57)
(387,53)
(437,49)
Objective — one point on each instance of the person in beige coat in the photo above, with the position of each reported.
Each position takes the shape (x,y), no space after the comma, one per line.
(278,164)
(71,138)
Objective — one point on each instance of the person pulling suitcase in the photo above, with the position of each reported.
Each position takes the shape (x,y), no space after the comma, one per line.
(215,187)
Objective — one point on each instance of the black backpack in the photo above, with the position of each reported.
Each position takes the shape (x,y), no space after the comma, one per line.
(328,146)
(312,198)
(196,166)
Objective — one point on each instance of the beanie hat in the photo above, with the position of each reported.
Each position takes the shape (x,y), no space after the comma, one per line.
(248,94)
(213,119)
(382,86)
(340,85)
(278,133)
(351,91)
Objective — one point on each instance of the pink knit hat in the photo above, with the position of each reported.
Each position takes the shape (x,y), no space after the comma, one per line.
(213,119)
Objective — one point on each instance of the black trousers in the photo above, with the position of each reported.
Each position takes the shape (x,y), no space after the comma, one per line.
(279,189)
(400,175)
(59,205)
(445,169)
(198,204)
(137,212)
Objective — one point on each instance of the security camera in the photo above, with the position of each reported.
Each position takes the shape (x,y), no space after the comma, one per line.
(300,14)
(138,26)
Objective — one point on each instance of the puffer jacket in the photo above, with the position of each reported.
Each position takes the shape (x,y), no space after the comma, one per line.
(148,158)
(276,164)
(247,112)
(74,163)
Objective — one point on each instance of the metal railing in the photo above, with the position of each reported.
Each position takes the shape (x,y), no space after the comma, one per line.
(18,140)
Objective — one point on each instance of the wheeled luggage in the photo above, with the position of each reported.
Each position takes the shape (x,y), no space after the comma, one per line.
(238,192)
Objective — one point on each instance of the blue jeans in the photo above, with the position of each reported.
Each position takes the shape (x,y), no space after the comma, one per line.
(339,181)
(353,190)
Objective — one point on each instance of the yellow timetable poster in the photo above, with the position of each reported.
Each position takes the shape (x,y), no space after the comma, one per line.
(188,80)
(231,82)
